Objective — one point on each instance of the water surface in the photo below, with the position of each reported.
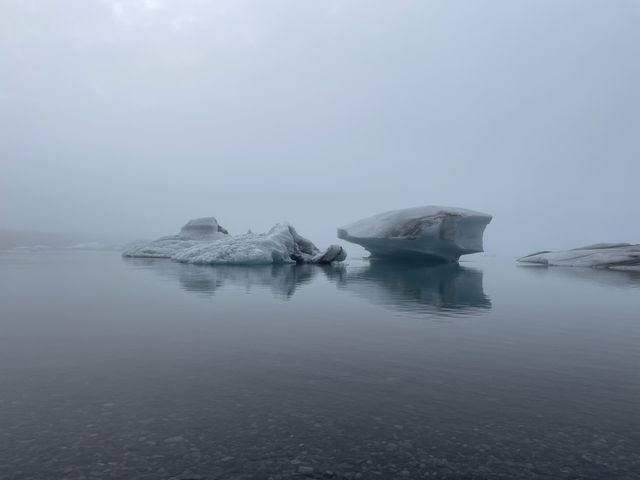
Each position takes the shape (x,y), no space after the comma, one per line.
(149,369)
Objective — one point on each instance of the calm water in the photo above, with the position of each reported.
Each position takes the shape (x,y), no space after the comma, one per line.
(147,369)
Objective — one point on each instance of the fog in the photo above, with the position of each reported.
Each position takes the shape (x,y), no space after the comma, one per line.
(126,118)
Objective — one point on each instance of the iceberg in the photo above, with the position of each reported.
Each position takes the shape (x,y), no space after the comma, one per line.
(607,277)
(202,241)
(196,232)
(612,256)
(430,233)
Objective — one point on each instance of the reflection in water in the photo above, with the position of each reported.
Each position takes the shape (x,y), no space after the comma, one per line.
(447,289)
(612,278)
(111,370)
(283,280)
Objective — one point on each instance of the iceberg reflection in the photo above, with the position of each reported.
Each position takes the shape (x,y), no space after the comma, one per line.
(601,276)
(449,289)
(281,279)
(445,289)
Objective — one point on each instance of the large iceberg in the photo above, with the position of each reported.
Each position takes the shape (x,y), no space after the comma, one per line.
(429,233)
(203,241)
(613,256)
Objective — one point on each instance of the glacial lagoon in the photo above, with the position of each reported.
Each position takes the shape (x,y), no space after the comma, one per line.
(136,368)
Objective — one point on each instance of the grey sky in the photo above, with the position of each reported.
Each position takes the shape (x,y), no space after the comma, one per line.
(127,118)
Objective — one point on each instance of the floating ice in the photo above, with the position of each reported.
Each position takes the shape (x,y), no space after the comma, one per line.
(203,241)
(430,233)
(281,244)
(614,256)
(195,232)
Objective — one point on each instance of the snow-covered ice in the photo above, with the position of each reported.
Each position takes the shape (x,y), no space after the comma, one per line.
(281,244)
(614,256)
(203,241)
(431,233)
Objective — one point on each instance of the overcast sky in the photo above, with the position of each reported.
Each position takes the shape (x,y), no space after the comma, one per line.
(127,118)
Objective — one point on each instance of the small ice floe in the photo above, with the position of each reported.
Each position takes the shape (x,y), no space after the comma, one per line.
(612,256)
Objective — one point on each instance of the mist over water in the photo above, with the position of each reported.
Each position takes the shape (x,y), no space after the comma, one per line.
(123,120)
(126,119)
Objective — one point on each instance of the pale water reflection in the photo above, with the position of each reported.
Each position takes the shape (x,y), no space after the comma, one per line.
(282,280)
(445,289)
(606,277)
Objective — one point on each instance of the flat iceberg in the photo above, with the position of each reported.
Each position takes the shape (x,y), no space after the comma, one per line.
(203,241)
(613,256)
(429,233)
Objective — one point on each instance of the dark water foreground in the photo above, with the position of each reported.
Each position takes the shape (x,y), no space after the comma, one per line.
(147,369)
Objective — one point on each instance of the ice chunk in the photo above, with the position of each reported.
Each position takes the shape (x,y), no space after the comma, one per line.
(430,233)
(202,229)
(203,241)
(195,232)
(614,256)
(281,244)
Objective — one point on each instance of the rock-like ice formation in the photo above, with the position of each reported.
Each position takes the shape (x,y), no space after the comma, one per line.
(203,241)
(194,233)
(614,256)
(429,233)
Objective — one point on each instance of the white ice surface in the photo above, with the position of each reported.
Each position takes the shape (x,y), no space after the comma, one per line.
(614,256)
(434,232)
(248,249)
(202,243)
